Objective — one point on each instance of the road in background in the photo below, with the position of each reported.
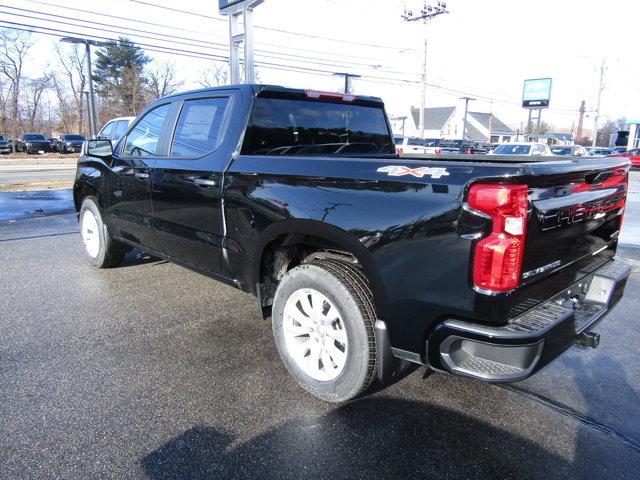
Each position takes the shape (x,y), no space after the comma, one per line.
(153,371)
(36,173)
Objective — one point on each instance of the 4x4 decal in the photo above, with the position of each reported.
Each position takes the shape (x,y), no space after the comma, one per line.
(400,170)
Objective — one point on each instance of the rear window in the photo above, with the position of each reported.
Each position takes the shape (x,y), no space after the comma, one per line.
(561,151)
(512,150)
(73,138)
(415,141)
(34,136)
(299,127)
(199,127)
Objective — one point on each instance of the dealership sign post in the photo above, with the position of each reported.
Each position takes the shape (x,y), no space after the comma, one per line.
(237,37)
(536,95)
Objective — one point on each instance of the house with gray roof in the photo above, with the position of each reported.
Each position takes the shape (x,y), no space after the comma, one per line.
(446,122)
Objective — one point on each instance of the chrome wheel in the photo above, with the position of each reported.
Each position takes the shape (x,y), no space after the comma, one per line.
(90,233)
(314,334)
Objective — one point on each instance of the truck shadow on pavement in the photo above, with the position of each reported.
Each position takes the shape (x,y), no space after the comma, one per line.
(369,438)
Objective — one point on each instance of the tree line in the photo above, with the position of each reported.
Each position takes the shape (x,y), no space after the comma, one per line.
(55,100)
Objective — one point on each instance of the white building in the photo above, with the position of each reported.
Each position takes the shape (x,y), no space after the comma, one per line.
(446,123)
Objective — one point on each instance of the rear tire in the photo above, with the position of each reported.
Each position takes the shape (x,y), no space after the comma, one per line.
(323,319)
(102,250)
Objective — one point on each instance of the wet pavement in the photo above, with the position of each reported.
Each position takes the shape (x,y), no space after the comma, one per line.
(153,371)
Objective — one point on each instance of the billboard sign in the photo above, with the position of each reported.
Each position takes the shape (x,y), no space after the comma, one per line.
(225,5)
(536,93)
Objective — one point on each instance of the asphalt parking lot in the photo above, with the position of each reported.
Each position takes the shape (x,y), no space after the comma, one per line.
(153,371)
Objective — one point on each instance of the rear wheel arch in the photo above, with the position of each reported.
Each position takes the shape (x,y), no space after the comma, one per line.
(289,243)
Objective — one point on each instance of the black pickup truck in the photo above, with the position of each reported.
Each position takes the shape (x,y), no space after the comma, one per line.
(475,265)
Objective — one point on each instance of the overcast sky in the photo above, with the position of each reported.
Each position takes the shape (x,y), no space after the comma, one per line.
(481,48)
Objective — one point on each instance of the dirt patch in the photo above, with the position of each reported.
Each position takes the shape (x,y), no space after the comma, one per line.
(21,187)
(46,159)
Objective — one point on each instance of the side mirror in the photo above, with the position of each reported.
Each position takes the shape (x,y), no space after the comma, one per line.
(99,148)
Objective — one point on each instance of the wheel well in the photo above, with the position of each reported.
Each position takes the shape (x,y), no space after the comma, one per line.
(288,251)
(82,191)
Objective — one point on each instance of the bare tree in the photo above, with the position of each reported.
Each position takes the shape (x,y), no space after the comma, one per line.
(162,80)
(33,96)
(4,99)
(73,62)
(14,47)
(216,75)
(66,107)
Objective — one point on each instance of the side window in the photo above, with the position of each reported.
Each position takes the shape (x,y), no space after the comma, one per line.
(143,140)
(121,127)
(107,130)
(198,127)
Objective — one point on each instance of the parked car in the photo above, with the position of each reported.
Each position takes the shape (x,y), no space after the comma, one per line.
(632,155)
(475,265)
(5,144)
(471,148)
(617,150)
(599,151)
(525,148)
(115,128)
(69,143)
(34,143)
(414,145)
(570,150)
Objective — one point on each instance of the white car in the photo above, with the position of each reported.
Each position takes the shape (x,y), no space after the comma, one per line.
(572,150)
(531,149)
(115,128)
(415,145)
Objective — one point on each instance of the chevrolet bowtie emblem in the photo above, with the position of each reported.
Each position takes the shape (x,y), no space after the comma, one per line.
(400,170)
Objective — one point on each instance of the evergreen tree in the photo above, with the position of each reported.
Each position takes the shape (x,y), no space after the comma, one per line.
(119,77)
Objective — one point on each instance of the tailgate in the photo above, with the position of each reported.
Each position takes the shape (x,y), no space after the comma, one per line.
(575,218)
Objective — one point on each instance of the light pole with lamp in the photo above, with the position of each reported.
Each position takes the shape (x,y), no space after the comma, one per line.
(91,104)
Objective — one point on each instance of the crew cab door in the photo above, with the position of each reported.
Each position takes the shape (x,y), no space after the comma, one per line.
(129,213)
(187,182)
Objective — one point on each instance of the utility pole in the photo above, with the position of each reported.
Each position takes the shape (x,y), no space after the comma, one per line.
(580,120)
(600,89)
(429,10)
(464,121)
(347,80)
(490,121)
(91,100)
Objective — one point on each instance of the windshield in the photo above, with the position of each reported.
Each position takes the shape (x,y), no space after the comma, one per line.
(561,150)
(300,127)
(34,136)
(73,138)
(512,150)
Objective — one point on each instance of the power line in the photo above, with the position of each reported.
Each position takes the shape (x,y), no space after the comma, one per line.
(202,15)
(189,41)
(140,21)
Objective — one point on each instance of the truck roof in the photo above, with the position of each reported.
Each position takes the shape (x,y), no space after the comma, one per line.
(257,89)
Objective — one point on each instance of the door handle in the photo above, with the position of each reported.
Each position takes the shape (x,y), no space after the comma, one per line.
(142,175)
(205,182)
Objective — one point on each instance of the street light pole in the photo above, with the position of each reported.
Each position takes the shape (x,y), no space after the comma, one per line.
(91,103)
(428,11)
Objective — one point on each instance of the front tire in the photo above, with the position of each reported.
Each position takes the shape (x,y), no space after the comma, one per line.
(103,252)
(323,318)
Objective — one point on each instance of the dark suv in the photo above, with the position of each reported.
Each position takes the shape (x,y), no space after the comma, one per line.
(34,143)
(69,143)
(5,144)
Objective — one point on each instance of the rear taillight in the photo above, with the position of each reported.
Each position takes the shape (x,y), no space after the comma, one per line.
(398,150)
(438,151)
(497,260)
